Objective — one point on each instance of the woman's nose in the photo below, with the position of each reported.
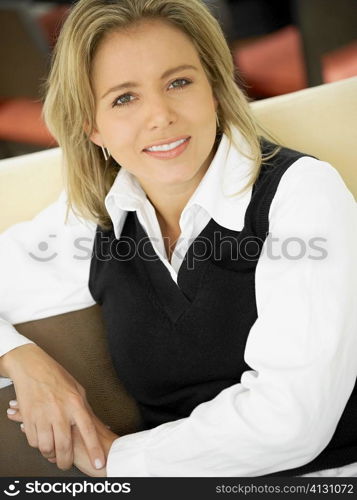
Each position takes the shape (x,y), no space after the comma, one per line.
(160,113)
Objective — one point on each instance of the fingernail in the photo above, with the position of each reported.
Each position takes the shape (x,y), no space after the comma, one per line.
(13,402)
(98,463)
(22,426)
(10,411)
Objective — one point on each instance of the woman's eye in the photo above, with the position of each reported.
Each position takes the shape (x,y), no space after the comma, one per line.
(180,83)
(122,100)
(126,99)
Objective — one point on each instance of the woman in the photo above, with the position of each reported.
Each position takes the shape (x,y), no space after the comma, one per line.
(242,357)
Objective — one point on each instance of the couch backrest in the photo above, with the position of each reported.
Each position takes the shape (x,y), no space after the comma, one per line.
(321,121)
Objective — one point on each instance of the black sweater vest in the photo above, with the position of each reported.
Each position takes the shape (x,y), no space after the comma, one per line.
(174,347)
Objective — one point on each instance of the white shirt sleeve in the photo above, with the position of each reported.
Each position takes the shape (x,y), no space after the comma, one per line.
(44,269)
(302,349)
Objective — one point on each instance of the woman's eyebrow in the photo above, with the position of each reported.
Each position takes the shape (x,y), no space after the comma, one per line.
(167,73)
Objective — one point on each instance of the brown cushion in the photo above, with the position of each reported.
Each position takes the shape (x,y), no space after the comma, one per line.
(77,341)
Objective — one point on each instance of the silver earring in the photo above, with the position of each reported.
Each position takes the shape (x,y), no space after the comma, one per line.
(106,153)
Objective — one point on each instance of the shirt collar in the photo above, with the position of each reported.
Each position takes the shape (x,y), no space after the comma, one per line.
(228,173)
(124,196)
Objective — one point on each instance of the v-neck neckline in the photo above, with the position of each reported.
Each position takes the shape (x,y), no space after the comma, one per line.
(171,298)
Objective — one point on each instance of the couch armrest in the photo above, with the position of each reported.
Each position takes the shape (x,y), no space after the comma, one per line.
(77,341)
(28,184)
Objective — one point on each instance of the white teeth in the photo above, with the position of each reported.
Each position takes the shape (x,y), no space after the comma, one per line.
(167,147)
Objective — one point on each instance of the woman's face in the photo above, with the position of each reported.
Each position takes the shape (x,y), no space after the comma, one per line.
(150,88)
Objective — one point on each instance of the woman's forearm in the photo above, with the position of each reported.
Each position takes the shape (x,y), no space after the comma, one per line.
(10,360)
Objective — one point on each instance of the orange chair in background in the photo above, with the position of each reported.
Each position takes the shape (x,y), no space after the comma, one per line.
(275,64)
(21,121)
(272,65)
(321,48)
(25,47)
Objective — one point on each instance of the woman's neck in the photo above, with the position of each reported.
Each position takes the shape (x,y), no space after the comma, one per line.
(169,207)
(169,201)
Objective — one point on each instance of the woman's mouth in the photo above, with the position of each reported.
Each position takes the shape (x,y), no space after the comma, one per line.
(168,150)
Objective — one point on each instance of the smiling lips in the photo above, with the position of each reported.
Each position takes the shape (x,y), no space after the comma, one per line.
(168,150)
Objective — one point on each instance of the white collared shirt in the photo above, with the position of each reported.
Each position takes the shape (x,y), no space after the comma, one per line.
(302,348)
(212,198)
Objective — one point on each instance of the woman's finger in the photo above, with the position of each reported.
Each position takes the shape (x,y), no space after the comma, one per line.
(14,415)
(31,434)
(63,446)
(46,442)
(14,403)
(88,432)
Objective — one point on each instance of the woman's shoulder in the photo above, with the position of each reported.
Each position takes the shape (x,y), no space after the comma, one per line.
(296,169)
(312,193)
(314,176)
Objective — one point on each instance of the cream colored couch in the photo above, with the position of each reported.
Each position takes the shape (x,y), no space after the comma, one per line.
(321,121)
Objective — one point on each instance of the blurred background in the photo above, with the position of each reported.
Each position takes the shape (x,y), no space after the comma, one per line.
(278,47)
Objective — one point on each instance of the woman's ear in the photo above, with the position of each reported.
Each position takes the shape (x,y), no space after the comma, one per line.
(93,135)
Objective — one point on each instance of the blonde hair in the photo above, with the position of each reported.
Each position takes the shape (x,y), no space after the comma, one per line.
(70,103)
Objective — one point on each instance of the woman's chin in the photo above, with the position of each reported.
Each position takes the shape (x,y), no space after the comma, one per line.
(174,176)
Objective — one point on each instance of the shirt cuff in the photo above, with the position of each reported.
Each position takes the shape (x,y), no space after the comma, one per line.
(10,338)
(4,382)
(127,456)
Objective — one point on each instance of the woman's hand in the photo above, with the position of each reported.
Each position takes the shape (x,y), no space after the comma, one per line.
(81,459)
(51,402)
